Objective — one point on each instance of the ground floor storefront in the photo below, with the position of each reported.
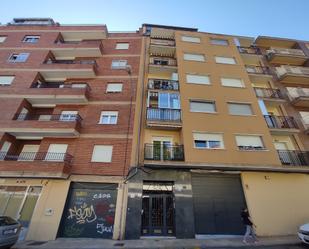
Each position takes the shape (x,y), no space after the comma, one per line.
(81,206)
(198,203)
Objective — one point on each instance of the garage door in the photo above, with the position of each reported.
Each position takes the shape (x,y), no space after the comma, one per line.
(218,201)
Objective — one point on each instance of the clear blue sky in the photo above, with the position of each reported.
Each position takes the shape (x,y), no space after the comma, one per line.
(282,18)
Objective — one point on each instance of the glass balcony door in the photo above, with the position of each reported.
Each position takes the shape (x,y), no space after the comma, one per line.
(162,148)
(169,100)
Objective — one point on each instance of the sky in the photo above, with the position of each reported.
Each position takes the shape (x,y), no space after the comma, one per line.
(278,18)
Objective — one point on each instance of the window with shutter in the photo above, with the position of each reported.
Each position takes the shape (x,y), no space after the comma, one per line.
(249,142)
(102,153)
(208,140)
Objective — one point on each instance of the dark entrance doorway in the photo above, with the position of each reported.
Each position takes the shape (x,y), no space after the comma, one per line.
(158,209)
(218,201)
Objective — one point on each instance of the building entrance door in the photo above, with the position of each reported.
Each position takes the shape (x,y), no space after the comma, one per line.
(158,210)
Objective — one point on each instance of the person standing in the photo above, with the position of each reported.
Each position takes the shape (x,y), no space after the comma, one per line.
(246,219)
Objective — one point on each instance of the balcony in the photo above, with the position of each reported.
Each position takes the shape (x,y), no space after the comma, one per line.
(159,47)
(60,70)
(258,73)
(161,64)
(269,94)
(281,124)
(286,56)
(161,118)
(79,49)
(52,93)
(293,75)
(299,96)
(35,164)
(161,152)
(294,157)
(39,126)
(250,55)
(161,84)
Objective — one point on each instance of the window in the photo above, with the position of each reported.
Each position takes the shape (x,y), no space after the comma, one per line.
(31,38)
(6,80)
(225,60)
(108,118)
(2,39)
(208,140)
(232,82)
(249,142)
(102,153)
(240,109)
(198,79)
(56,152)
(4,149)
(119,64)
(122,46)
(22,57)
(222,42)
(114,88)
(194,57)
(190,39)
(202,106)
(169,100)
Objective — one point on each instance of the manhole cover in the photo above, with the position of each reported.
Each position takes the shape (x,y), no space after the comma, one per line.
(36,243)
(119,244)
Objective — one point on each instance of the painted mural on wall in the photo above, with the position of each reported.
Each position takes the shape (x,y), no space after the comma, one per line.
(90,213)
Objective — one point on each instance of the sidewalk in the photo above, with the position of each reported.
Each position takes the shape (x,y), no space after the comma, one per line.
(66,243)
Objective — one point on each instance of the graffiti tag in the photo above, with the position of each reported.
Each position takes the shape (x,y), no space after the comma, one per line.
(102,196)
(104,229)
(83,214)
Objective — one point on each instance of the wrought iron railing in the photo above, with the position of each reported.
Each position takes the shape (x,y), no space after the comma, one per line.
(249,50)
(61,85)
(294,157)
(162,61)
(81,62)
(162,152)
(162,84)
(48,117)
(268,93)
(281,122)
(37,156)
(162,114)
(258,70)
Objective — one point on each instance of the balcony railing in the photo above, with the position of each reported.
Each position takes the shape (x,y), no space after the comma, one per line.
(48,117)
(285,51)
(161,84)
(280,122)
(284,70)
(268,93)
(76,62)
(162,114)
(37,156)
(294,157)
(61,85)
(249,50)
(163,152)
(258,70)
(298,92)
(162,61)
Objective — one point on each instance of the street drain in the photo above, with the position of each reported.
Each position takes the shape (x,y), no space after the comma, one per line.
(36,243)
(119,244)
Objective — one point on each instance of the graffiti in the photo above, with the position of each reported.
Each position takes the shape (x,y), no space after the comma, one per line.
(102,196)
(103,229)
(72,231)
(84,214)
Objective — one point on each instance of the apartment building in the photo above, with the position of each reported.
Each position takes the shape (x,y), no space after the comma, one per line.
(220,129)
(68,103)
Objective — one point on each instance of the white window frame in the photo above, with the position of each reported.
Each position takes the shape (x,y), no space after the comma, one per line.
(248,147)
(6,80)
(108,149)
(109,115)
(216,41)
(2,38)
(240,104)
(186,57)
(242,85)
(122,45)
(119,64)
(109,87)
(197,79)
(188,38)
(207,140)
(31,38)
(24,56)
(219,60)
(213,103)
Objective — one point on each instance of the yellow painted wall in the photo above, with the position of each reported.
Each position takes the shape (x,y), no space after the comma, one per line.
(277,202)
(149,134)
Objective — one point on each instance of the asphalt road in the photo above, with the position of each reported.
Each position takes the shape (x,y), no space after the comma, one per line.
(263,247)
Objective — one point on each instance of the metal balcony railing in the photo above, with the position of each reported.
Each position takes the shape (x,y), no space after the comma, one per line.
(161,84)
(294,157)
(268,93)
(37,156)
(61,85)
(47,117)
(258,70)
(285,51)
(80,62)
(249,50)
(162,114)
(161,152)
(281,122)
(162,61)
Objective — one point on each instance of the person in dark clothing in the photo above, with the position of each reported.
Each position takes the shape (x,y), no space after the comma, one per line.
(246,219)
